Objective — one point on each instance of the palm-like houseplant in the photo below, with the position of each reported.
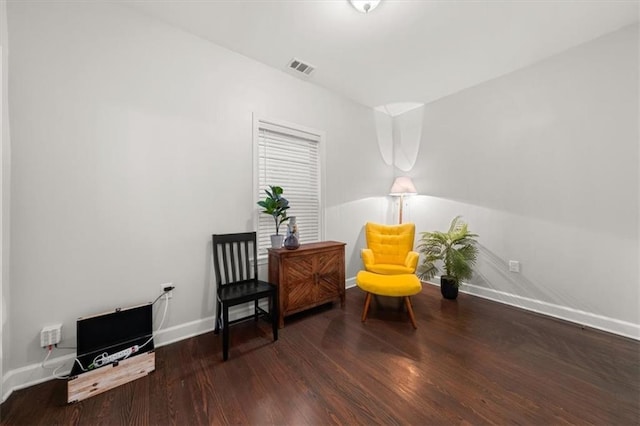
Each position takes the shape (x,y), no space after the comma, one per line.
(275,205)
(457,251)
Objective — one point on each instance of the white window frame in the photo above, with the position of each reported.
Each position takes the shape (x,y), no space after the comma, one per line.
(292,129)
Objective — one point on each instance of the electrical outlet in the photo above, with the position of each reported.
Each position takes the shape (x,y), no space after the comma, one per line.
(50,335)
(514,266)
(169,293)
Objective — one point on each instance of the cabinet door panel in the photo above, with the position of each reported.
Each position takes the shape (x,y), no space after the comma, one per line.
(299,282)
(327,268)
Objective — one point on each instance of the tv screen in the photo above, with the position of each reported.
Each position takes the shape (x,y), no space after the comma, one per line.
(113,336)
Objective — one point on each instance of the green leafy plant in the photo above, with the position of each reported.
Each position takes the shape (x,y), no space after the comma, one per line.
(456,248)
(275,205)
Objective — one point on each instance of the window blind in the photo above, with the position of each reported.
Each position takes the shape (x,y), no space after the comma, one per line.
(289,158)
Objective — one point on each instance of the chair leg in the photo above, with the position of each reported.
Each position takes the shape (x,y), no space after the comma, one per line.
(407,302)
(273,311)
(255,310)
(218,323)
(225,332)
(367,301)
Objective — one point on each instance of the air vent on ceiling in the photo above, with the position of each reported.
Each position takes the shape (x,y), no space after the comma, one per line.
(301,67)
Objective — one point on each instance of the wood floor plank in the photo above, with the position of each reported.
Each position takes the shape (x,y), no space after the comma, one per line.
(470,361)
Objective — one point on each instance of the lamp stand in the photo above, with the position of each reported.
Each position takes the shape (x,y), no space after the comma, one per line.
(402,186)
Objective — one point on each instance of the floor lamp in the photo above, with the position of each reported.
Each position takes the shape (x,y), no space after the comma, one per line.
(402,185)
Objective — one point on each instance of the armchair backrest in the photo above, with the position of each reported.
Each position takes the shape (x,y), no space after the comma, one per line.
(390,243)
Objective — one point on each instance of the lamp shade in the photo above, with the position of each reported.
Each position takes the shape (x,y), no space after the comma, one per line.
(403,185)
(364,6)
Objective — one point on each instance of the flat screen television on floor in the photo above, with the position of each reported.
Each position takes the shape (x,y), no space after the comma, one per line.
(112,337)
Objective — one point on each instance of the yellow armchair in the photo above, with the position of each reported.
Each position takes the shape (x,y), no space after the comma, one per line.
(390,249)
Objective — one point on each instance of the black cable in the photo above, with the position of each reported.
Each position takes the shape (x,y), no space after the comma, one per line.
(161,294)
(73,347)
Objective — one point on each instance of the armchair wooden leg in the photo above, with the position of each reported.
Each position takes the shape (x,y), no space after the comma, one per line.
(407,302)
(367,301)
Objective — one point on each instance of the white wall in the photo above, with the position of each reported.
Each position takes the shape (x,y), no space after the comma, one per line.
(131,146)
(543,164)
(4,193)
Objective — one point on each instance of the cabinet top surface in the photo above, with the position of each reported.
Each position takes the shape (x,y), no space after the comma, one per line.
(308,246)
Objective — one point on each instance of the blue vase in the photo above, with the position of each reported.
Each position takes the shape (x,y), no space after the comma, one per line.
(292,242)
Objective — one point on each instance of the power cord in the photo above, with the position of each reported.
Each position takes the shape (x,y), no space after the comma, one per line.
(50,349)
(97,360)
(164,314)
(164,291)
(56,368)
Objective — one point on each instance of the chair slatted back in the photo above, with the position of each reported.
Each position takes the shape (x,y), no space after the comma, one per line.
(235,257)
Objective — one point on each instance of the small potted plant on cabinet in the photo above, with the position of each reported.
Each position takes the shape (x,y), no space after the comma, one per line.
(275,205)
(458,252)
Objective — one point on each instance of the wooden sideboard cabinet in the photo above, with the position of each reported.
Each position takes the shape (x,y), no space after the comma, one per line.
(308,276)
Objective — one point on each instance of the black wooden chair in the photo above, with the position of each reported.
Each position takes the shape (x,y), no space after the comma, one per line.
(235,259)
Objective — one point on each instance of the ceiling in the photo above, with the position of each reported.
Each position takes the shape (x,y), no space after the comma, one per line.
(403,51)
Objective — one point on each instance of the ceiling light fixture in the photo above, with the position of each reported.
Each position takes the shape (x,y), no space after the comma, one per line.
(364,6)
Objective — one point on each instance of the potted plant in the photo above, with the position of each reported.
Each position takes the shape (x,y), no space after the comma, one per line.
(458,252)
(275,205)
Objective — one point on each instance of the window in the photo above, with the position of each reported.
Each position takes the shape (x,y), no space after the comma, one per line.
(289,156)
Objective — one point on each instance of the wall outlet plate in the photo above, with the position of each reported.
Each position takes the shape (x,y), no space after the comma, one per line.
(165,285)
(514,266)
(50,335)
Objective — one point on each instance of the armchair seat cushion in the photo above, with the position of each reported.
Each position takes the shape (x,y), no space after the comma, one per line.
(389,285)
(388,269)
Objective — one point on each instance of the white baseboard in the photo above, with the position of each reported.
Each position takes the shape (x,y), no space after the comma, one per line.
(179,332)
(588,319)
(350,282)
(33,374)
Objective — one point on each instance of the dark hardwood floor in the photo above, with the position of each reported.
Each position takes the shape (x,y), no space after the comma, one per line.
(470,361)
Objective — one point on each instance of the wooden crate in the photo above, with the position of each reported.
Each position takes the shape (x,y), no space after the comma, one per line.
(102,379)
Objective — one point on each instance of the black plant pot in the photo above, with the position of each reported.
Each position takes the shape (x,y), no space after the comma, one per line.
(448,287)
